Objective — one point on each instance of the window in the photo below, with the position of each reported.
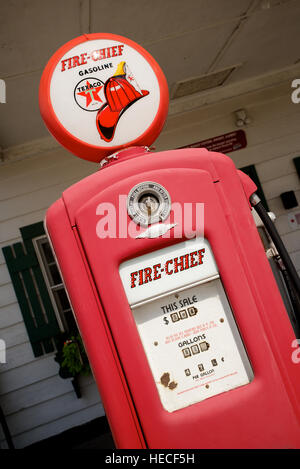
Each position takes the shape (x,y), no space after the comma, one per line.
(53,280)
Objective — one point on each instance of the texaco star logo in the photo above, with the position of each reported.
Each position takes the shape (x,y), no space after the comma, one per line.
(88,94)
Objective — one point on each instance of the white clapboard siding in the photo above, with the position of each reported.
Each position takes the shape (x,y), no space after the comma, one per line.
(9,230)
(270,169)
(31,202)
(10,315)
(292,240)
(42,391)
(13,335)
(18,354)
(21,184)
(57,407)
(60,425)
(42,161)
(7,295)
(36,370)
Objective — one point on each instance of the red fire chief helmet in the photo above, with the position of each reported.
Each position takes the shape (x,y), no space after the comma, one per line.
(120,94)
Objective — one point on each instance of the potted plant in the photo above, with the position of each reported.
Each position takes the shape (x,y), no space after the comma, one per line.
(73,360)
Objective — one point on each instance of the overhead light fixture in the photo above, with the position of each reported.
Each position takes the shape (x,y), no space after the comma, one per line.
(242,118)
(201,83)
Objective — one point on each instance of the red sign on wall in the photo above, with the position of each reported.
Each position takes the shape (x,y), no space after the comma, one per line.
(226,143)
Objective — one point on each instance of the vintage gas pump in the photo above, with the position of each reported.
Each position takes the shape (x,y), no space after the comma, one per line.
(183,323)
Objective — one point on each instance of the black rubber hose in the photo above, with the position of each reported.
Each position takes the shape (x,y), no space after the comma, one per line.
(262,212)
(294,298)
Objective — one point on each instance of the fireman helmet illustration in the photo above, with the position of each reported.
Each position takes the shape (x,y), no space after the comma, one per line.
(120,94)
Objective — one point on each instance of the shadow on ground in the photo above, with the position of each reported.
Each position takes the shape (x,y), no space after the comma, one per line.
(92,435)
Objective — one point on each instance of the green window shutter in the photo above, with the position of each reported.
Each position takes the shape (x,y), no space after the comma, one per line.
(252,173)
(31,290)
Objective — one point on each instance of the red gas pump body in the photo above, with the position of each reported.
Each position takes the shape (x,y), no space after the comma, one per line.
(261,414)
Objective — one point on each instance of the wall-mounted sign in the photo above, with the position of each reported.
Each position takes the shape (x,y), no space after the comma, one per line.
(225,143)
(100,93)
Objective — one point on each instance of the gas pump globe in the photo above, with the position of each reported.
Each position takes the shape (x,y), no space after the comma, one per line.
(183,323)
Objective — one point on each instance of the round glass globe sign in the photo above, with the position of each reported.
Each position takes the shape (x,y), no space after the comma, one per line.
(100,93)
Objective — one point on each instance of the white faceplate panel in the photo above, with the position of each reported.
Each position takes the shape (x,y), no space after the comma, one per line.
(190,338)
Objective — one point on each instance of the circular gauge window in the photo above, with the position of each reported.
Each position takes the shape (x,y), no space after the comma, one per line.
(148,202)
